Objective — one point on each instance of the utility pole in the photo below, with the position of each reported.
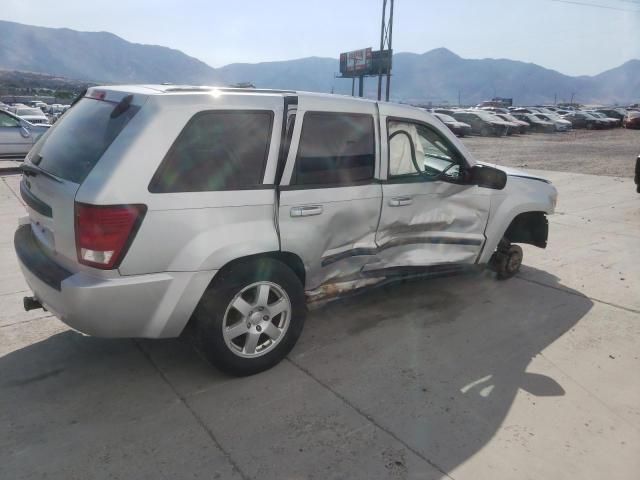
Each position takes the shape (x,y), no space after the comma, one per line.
(386,34)
(459,103)
(353,80)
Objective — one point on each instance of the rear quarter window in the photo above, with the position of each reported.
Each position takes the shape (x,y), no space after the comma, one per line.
(217,150)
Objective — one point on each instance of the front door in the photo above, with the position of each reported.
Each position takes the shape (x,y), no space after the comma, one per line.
(429,215)
(329,196)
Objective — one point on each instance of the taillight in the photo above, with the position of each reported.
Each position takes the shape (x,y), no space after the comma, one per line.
(104,232)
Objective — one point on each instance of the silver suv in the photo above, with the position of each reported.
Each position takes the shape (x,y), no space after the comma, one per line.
(153,208)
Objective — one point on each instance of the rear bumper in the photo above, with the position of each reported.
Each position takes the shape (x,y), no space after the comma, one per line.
(156,305)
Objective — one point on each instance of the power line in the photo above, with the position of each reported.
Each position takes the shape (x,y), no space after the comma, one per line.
(597,5)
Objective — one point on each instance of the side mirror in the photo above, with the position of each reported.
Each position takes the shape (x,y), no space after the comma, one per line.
(487,177)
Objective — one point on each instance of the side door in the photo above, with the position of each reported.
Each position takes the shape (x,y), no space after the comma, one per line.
(429,215)
(329,196)
(14,139)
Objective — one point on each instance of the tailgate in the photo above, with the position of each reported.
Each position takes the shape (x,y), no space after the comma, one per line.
(62,159)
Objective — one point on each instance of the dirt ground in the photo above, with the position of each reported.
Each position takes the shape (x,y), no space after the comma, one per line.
(604,152)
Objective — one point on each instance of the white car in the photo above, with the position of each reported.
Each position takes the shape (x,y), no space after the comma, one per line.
(560,123)
(151,208)
(32,115)
(17,136)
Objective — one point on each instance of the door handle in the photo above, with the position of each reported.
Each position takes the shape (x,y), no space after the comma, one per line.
(306,211)
(400,201)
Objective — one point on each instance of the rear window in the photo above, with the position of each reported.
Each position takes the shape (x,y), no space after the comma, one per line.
(72,147)
(220,150)
(335,149)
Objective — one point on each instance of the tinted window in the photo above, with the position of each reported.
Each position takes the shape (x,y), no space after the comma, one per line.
(220,150)
(335,149)
(73,146)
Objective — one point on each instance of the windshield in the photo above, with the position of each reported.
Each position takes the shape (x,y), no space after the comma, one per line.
(73,146)
(444,117)
(489,117)
(29,111)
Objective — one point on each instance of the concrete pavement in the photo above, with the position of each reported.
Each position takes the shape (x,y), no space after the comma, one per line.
(464,378)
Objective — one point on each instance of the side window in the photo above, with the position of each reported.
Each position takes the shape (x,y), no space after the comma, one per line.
(434,159)
(335,149)
(219,150)
(8,121)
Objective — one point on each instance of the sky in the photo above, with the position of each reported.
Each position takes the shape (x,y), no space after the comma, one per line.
(574,37)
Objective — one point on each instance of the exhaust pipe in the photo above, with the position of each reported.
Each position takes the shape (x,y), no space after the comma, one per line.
(31,303)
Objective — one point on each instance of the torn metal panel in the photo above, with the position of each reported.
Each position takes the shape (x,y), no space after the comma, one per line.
(330,291)
(443,223)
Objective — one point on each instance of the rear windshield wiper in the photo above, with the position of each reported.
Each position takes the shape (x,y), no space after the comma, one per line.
(32,171)
(122,107)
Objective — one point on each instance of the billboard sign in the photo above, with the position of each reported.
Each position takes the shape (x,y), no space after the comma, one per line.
(357,62)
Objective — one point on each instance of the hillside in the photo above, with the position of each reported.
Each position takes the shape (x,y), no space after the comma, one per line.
(95,56)
(436,76)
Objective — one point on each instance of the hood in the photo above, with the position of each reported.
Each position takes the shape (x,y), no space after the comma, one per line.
(515,172)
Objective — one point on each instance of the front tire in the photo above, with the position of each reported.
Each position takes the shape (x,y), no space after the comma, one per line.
(250,317)
(508,263)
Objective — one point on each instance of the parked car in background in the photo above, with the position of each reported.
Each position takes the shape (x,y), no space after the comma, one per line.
(89,248)
(38,104)
(612,122)
(482,123)
(617,112)
(521,127)
(560,123)
(17,136)
(512,127)
(32,115)
(535,124)
(585,120)
(458,128)
(631,120)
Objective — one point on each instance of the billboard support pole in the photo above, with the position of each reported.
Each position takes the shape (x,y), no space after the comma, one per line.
(384,14)
(390,49)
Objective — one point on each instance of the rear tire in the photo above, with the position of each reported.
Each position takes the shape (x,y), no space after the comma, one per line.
(250,317)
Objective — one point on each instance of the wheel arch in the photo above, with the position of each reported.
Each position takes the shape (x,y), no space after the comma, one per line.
(291,260)
(529,227)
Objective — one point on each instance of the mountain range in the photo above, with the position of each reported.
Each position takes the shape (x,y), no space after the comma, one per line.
(435,76)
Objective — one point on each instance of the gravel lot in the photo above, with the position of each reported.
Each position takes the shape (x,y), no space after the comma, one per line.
(604,152)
